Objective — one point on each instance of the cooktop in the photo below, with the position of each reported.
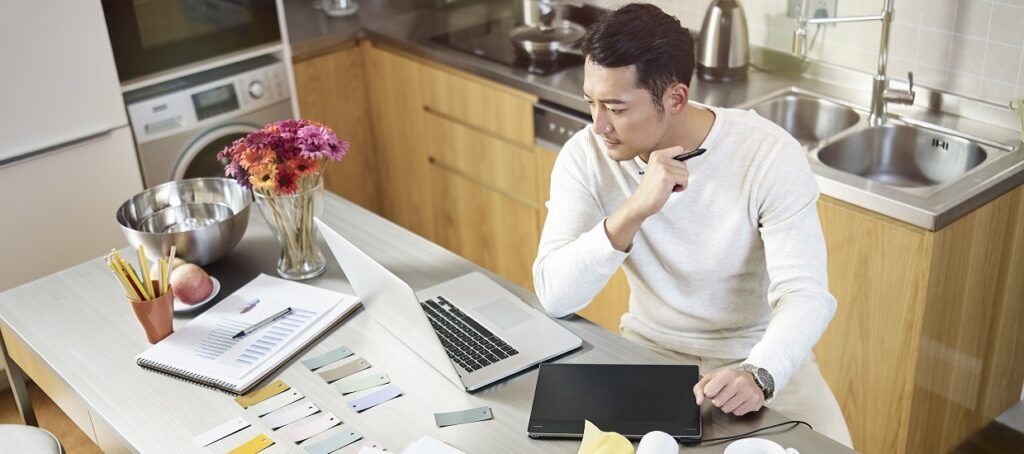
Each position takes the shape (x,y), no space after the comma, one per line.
(491,41)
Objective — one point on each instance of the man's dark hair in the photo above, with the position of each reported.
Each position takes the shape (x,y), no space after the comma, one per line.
(642,34)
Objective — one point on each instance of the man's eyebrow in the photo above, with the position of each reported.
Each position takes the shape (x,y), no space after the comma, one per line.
(606,101)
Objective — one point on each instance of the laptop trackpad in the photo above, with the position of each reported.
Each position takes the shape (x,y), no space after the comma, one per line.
(503,313)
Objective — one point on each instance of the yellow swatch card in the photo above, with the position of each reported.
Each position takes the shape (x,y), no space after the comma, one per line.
(596,441)
(257,444)
(264,393)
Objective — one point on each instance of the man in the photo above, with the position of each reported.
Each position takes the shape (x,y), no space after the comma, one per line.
(724,253)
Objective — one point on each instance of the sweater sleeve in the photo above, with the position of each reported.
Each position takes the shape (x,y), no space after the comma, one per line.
(575,258)
(794,247)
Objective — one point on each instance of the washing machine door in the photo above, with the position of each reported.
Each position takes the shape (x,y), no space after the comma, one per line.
(200,158)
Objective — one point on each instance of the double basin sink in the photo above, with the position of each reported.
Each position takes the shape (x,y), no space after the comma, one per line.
(922,172)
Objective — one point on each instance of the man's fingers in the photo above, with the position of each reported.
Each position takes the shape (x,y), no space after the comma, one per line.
(728,392)
(698,389)
(737,400)
(747,407)
(713,387)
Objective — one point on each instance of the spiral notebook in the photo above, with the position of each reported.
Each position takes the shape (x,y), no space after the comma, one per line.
(205,352)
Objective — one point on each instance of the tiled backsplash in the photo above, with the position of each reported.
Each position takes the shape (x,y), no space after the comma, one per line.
(973,48)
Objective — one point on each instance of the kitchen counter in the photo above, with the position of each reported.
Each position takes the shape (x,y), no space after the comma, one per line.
(75,336)
(408,25)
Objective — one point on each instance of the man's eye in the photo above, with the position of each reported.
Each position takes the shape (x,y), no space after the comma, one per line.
(615,111)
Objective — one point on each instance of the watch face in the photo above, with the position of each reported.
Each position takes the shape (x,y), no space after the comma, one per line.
(764,379)
(762,376)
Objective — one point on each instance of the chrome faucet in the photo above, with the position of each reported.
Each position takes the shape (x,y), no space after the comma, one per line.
(881,93)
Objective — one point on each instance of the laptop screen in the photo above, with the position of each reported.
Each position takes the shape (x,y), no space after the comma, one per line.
(629,399)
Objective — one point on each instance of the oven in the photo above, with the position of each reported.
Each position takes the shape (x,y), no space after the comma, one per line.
(554,125)
(152,36)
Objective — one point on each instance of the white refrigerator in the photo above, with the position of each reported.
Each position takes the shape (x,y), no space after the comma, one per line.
(67,157)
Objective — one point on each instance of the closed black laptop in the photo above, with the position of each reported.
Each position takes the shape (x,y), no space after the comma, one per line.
(625,398)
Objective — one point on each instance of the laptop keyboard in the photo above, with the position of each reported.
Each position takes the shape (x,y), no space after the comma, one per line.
(467,342)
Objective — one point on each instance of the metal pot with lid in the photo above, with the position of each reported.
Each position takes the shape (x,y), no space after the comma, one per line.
(545,32)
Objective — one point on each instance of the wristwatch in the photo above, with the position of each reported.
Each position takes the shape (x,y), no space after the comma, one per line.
(763,379)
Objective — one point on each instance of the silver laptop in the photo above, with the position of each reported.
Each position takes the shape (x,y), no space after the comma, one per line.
(473,331)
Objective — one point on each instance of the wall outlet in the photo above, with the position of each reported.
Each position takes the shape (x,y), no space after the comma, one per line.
(819,8)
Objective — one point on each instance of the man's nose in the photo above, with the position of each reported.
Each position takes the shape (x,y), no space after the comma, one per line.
(601,123)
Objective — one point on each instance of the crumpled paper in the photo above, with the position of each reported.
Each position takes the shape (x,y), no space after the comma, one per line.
(596,441)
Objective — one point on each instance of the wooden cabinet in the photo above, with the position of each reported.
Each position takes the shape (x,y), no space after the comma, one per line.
(396,112)
(483,170)
(333,91)
(927,345)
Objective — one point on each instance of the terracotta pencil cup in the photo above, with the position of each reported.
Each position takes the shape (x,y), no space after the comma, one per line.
(156,315)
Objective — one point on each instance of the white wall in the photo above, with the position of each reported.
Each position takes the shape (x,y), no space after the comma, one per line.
(973,48)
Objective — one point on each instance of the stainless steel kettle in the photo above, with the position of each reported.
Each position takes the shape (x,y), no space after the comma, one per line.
(723,48)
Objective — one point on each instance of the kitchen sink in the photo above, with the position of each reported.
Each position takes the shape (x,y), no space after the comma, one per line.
(903,156)
(807,118)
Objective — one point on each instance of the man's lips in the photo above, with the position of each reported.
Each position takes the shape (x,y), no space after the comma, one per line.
(609,142)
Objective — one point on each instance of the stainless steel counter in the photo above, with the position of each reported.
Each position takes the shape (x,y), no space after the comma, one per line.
(408,25)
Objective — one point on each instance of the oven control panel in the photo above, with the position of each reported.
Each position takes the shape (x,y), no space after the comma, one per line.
(554,125)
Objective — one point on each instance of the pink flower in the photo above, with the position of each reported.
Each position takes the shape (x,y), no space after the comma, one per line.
(276,157)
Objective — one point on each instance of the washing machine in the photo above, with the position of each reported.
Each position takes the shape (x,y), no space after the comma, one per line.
(182,124)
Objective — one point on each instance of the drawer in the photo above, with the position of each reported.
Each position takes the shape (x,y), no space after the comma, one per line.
(495,163)
(492,108)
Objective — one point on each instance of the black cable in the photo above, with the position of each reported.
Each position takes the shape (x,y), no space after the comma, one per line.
(714,441)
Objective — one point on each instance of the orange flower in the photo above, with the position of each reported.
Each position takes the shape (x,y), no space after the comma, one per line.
(305,166)
(254,158)
(264,177)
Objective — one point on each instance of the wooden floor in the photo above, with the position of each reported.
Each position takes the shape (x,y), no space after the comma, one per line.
(1004,435)
(50,418)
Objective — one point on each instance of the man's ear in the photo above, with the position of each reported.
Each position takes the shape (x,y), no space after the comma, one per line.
(676,97)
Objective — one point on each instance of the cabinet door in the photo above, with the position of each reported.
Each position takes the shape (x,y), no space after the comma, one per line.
(878,272)
(486,226)
(332,90)
(58,208)
(396,110)
(608,306)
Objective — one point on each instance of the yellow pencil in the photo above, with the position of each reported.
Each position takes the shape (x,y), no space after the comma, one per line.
(127,267)
(134,292)
(144,270)
(121,282)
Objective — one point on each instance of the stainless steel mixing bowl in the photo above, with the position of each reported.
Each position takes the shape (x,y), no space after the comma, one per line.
(204,217)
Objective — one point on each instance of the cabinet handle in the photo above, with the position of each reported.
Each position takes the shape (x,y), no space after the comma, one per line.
(73,143)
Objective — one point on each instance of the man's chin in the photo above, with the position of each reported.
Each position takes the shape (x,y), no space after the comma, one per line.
(619,152)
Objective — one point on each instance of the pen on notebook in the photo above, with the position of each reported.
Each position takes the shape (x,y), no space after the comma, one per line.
(685,156)
(261,324)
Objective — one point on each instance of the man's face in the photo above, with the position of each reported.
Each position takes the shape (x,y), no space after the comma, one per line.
(625,117)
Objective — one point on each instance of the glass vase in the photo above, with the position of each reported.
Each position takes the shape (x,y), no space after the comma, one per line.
(290,217)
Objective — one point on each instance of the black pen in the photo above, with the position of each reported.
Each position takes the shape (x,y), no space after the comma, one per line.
(683,157)
(261,324)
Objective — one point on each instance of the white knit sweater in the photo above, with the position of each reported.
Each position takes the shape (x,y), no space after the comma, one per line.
(733,267)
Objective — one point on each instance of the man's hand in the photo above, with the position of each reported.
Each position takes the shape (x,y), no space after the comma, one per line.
(662,177)
(731,390)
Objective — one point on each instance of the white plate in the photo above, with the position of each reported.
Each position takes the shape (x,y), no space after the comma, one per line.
(182,308)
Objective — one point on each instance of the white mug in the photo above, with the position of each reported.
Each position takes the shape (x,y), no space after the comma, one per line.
(757,446)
